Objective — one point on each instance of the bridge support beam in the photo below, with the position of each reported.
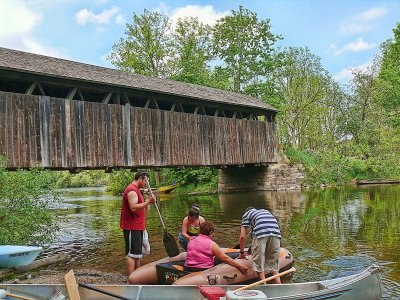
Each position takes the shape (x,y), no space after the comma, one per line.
(243,179)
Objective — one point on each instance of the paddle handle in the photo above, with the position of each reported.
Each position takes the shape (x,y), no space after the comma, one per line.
(155,203)
(18,296)
(266,279)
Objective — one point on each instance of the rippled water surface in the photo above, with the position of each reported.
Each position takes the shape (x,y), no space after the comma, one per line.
(331,232)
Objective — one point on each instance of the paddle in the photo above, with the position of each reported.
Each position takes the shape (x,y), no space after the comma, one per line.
(4,294)
(72,288)
(266,279)
(89,287)
(168,240)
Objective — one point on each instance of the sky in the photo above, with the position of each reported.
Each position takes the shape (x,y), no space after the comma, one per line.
(345,34)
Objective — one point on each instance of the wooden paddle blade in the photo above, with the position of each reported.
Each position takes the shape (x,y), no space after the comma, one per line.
(71,286)
(170,244)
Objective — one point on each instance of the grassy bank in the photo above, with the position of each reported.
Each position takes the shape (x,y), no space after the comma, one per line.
(334,169)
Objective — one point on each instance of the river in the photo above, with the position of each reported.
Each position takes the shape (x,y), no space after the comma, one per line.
(330,232)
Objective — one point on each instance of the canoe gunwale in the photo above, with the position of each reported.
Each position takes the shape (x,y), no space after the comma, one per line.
(338,288)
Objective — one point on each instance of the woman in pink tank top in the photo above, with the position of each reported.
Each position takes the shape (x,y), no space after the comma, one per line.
(202,249)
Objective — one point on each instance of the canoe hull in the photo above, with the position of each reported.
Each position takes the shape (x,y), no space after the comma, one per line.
(364,285)
(224,274)
(17,256)
(167,189)
(163,272)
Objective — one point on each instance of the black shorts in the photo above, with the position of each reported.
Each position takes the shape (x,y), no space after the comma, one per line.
(133,243)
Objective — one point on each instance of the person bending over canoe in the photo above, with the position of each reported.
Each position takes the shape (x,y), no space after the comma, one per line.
(266,241)
(133,220)
(190,226)
(202,249)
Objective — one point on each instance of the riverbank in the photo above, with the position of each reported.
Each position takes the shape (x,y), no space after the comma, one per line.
(83,275)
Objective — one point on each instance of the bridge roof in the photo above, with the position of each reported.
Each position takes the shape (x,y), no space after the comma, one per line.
(18,61)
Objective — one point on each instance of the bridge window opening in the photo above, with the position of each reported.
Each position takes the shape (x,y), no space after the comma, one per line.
(13,86)
(136,101)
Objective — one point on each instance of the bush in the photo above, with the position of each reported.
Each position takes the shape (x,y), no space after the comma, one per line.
(64,179)
(330,167)
(25,200)
(118,181)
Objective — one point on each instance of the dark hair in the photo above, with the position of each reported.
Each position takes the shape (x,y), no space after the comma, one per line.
(249,208)
(141,174)
(194,211)
(206,228)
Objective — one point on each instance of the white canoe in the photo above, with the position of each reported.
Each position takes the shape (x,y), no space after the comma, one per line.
(364,285)
(17,256)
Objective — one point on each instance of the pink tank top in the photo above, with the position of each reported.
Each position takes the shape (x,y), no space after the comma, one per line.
(199,253)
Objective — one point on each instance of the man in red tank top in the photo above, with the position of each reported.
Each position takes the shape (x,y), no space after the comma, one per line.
(133,220)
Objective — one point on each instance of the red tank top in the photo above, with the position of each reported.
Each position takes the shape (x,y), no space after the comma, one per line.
(132,220)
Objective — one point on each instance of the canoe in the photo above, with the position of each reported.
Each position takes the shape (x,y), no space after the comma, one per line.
(167,189)
(364,285)
(377,181)
(17,256)
(169,270)
(223,274)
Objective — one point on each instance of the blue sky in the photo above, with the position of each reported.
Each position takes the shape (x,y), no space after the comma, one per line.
(346,34)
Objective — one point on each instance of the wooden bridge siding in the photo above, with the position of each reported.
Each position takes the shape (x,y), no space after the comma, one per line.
(19,132)
(59,133)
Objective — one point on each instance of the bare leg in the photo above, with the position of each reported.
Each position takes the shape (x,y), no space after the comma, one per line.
(261,275)
(277,279)
(130,264)
(137,263)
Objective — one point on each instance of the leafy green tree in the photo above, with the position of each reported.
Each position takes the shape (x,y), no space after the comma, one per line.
(302,83)
(192,48)
(147,47)
(389,77)
(244,43)
(25,201)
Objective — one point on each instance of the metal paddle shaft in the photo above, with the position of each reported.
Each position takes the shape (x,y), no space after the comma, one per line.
(155,203)
(168,240)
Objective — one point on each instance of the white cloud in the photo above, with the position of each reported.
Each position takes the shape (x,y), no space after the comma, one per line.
(85,16)
(206,14)
(16,19)
(362,22)
(357,46)
(347,73)
(371,14)
(17,23)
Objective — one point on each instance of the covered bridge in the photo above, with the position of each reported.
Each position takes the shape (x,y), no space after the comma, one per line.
(61,114)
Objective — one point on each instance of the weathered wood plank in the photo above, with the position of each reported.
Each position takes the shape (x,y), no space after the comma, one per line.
(59,133)
(3,125)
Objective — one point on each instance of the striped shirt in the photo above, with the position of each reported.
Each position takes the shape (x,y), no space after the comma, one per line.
(263,223)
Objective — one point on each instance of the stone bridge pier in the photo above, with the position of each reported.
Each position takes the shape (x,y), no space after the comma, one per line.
(276,177)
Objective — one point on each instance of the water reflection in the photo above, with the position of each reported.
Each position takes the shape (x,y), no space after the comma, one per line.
(331,232)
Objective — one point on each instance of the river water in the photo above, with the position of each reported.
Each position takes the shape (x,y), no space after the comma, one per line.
(331,232)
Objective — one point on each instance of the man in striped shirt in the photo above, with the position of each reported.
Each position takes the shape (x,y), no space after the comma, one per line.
(266,241)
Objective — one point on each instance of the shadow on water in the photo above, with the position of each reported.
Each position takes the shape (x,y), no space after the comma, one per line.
(332,232)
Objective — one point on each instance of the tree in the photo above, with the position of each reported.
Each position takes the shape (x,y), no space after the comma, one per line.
(302,84)
(147,48)
(244,44)
(389,77)
(192,49)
